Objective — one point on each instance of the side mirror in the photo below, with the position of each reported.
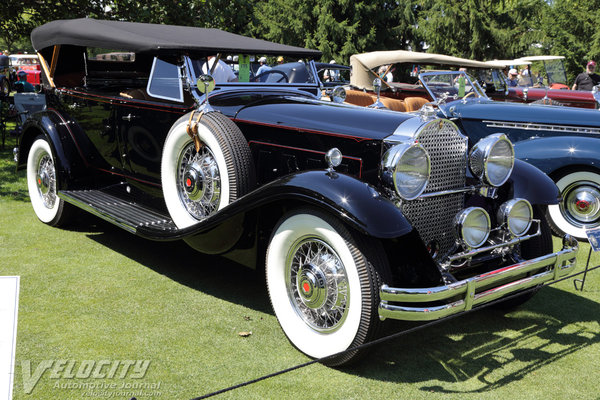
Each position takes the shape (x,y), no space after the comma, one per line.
(377,87)
(205,83)
(338,94)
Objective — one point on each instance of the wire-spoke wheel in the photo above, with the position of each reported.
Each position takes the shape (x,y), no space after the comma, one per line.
(323,282)
(197,184)
(42,185)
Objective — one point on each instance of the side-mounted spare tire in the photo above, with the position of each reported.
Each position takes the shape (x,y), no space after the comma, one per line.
(196,184)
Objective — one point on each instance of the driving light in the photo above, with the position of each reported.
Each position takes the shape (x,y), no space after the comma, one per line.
(516,215)
(407,167)
(492,159)
(473,226)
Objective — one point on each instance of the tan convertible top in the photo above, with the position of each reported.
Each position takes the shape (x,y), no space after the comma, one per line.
(362,64)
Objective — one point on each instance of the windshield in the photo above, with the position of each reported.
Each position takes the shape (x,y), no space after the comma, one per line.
(450,86)
(555,70)
(250,70)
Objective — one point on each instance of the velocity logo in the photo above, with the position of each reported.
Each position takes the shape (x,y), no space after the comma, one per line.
(87,369)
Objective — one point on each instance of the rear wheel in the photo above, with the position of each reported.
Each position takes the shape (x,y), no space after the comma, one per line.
(42,185)
(324,283)
(579,208)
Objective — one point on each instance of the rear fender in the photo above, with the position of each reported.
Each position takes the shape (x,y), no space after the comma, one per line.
(67,157)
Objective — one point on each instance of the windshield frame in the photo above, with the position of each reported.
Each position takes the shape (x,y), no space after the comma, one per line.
(477,89)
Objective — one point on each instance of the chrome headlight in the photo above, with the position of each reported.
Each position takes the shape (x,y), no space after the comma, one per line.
(407,167)
(492,159)
(516,215)
(473,226)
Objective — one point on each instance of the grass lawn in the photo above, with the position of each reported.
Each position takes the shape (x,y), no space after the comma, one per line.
(94,292)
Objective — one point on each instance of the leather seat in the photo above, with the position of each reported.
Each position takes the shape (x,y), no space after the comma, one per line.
(359,98)
(393,104)
(415,103)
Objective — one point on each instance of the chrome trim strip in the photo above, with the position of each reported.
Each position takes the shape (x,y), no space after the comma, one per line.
(541,127)
(512,242)
(449,191)
(562,263)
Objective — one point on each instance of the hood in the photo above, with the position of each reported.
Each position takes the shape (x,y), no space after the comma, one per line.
(518,112)
(308,114)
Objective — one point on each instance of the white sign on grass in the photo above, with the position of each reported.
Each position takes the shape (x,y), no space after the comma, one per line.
(9,308)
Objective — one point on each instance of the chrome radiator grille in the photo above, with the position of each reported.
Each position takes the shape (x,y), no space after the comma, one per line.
(433,217)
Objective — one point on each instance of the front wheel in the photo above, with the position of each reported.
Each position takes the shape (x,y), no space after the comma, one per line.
(580,206)
(324,283)
(41,182)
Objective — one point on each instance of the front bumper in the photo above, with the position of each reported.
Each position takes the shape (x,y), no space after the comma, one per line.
(477,290)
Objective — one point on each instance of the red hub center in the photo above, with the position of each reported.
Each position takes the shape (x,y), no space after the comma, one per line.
(582,205)
(188,182)
(306,287)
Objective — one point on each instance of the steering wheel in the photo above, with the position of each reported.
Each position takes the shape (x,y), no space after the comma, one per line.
(469,94)
(273,71)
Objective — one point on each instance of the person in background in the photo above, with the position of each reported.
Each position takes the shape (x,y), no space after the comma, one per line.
(388,77)
(263,68)
(588,79)
(331,75)
(222,72)
(22,86)
(512,78)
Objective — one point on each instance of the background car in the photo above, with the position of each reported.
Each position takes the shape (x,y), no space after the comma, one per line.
(357,215)
(28,63)
(561,141)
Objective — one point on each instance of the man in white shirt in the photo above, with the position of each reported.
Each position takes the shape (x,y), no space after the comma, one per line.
(222,72)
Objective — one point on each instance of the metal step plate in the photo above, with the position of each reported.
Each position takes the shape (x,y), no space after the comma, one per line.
(119,209)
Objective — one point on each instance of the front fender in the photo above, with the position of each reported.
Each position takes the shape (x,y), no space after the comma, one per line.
(355,202)
(550,154)
(530,183)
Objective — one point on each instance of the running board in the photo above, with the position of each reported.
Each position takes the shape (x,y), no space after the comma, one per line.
(119,209)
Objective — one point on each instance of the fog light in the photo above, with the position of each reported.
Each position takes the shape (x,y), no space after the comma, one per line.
(516,215)
(473,226)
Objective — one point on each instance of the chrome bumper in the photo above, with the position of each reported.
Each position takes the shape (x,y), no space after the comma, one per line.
(562,263)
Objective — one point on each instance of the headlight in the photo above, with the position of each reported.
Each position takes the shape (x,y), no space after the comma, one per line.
(473,226)
(516,215)
(407,167)
(492,159)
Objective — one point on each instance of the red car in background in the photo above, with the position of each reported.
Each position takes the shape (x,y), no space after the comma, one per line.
(541,79)
(28,63)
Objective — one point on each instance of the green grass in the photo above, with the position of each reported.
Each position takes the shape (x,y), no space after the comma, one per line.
(95,292)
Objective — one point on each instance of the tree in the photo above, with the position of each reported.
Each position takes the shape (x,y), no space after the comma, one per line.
(337,28)
(482,29)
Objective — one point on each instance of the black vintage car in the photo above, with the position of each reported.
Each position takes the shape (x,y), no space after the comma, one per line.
(357,215)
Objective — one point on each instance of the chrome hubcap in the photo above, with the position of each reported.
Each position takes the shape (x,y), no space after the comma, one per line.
(581,204)
(198,181)
(46,181)
(317,284)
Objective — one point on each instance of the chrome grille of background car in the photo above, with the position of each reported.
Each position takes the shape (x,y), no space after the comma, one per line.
(433,217)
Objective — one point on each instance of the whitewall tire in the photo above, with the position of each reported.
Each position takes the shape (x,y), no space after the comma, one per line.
(198,184)
(580,206)
(323,287)
(42,185)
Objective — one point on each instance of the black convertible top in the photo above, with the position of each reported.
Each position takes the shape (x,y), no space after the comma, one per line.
(140,37)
